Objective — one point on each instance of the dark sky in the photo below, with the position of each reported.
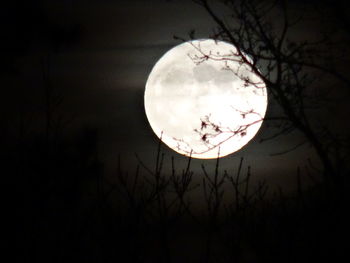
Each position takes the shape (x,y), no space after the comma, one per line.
(101,69)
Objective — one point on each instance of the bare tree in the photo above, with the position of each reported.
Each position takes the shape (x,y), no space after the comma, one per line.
(290,68)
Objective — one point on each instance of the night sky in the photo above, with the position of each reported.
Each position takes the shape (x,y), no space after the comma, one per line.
(96,56)
(100,65)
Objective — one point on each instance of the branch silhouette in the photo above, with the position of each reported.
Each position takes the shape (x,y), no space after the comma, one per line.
(289,67)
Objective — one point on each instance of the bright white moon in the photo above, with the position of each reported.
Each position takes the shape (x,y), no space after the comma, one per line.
(202,100)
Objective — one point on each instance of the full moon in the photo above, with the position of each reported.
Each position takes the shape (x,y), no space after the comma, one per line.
(203,100)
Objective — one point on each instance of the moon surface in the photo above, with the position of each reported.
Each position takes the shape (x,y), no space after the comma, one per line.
(202,99)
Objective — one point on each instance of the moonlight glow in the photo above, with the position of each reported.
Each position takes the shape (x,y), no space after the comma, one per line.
(201,98)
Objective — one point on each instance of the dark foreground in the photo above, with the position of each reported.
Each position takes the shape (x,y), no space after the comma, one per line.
(66,210)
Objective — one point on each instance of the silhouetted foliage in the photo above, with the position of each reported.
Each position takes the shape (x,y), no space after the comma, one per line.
(291,67)
(66,209)
(74,213)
